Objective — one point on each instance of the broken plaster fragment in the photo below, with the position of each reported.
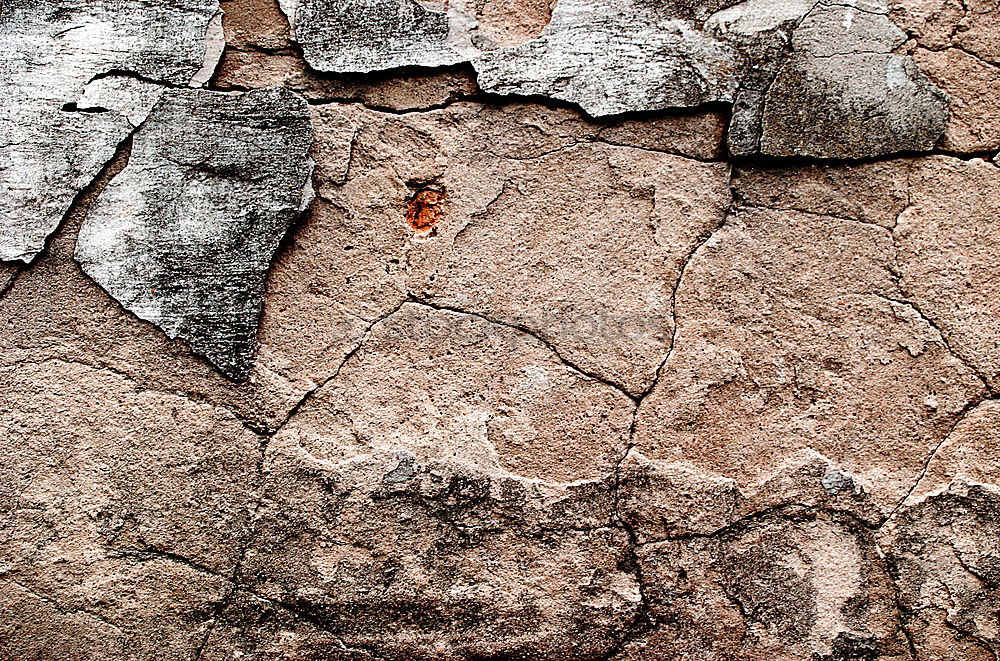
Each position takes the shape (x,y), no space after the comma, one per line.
(53,141)
(848,96)
(370,35)
(827,84)
(184,236)
(614,58)
(817,79)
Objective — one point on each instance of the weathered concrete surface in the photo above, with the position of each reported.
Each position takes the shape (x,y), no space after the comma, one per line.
(873,193)
(444,562)
(971,84)
(58,130)
(529,384)
(535,416)
(493,514)
(337,275)
(184,236)
(947,241)
(605,301)
(966,457)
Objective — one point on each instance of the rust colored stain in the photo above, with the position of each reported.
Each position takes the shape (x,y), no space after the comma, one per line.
(425,210)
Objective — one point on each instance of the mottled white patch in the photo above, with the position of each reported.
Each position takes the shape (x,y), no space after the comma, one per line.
(215,44)
(130,97)
(756,16)
(896,76)
(536,377)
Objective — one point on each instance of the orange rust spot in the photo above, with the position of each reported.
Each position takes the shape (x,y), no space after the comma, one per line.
(424,211)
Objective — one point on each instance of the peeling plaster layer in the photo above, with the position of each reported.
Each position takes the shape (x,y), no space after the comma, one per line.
(371,35)
(827,84)
(615,58)
(805,78)
(184,236)
(56,131)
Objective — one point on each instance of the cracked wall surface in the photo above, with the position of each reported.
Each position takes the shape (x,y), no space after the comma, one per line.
(497,330)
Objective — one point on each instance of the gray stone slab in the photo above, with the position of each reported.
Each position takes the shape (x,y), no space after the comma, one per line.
(184,235)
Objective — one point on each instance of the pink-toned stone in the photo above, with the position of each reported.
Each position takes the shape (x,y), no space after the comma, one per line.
(793,335)
(947,244)
(971,84)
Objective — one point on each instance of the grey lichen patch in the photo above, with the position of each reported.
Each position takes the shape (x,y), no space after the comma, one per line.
(58,127)
(403,472)
(805,78)
(184,236)
(836,481)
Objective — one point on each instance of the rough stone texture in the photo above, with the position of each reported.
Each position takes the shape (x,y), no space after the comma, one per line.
(422,359)
(944,551)
(382,521)
(971,84)
(826,83)
(336,275)
(948,237)
(529,384)
(957,44)
(184,236)
(57,52)
(966,457)
(490,241)
(121,506)
(794,585)
(8,272)
(939,24)
(509,22)
(944,545)
(873,193)
(793,334)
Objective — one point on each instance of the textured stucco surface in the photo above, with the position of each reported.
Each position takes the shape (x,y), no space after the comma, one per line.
(499,330)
